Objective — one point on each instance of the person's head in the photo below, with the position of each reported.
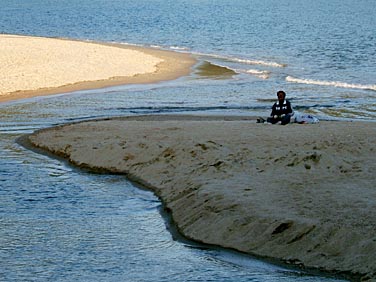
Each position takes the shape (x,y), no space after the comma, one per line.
(281,95)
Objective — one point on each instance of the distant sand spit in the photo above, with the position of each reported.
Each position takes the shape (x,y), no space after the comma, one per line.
(302,194)
(33,66)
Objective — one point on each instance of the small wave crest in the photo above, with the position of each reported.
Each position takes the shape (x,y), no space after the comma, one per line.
(156,46)
(259,73)
(241,60)
(259,62)
(179,48)
(331,83)
(207,69)
(209,55)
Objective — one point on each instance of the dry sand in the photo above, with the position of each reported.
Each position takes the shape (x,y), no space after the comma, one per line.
(34,66)
(302,194)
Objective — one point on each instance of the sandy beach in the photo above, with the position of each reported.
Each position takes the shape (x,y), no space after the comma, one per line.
(299,194)
(35,66)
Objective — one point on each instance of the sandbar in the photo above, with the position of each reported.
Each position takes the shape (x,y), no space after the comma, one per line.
(35,66)
(301,194)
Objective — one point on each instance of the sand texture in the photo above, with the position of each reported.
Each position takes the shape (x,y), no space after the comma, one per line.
(303,194)
(32,66)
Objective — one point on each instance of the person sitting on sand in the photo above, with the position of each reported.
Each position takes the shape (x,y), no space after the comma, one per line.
(281,110)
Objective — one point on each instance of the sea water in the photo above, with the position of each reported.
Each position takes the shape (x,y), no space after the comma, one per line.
(321,53)
(59,223)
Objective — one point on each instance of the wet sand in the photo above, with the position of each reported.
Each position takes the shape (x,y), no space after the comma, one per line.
(300,194)
(36,66)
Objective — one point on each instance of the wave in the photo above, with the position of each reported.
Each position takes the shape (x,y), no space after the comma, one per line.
(179,48)
(258,62)
(209,55)
(156,46)
(175,48)
(331,83)
(241,60)
(207,69)
(259,73)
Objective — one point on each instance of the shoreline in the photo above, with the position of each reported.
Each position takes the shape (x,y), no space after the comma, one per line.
(212,173)
(154,65)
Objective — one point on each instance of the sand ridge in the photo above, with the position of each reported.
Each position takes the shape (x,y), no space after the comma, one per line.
(303,194)
(32,66)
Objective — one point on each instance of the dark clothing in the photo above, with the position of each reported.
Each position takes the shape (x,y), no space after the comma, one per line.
(284,120)
(281,111)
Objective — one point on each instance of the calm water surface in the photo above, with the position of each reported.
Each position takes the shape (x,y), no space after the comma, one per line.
(60,224)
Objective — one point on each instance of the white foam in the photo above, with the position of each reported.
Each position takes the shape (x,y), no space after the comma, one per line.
(259,73)
(221,57)
(129,44)
(179,48)
(156,46)
(331,83)
(259,62)
(242,61)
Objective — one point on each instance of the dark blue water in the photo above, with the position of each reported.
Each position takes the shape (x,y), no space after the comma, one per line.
(322,53)
(60,224)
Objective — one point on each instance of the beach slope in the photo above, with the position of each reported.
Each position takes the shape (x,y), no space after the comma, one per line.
(35,66)
(302,194)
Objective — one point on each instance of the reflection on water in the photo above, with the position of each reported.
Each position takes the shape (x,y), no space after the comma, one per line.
(61,224)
